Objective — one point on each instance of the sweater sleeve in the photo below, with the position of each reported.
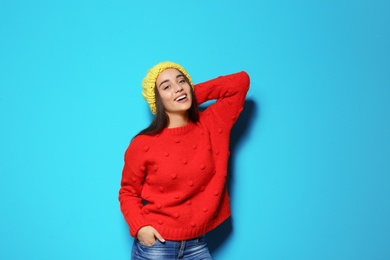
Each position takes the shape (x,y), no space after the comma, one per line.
(229,91)
(133,175)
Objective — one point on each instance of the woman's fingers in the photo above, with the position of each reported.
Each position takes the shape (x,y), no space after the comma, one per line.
(158,236)
(147,235)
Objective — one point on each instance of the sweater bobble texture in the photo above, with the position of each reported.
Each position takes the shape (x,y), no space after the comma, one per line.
(175,181)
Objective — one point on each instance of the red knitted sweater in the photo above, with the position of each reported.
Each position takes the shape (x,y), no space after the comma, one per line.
(175,180)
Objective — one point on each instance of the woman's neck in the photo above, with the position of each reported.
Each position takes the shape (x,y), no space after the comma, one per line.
(177,120)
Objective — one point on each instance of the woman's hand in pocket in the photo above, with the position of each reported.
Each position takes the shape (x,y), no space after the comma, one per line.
(147,236)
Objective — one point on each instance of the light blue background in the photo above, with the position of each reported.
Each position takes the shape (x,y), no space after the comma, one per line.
(310,173)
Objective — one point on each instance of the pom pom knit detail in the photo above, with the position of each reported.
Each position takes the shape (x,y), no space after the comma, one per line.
(175,181)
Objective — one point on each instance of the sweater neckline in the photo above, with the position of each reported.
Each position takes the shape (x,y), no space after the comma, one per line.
(180,130)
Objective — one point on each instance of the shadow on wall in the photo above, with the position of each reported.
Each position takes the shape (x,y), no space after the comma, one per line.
(216,237)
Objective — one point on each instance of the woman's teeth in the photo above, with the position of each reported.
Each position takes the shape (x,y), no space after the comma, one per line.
(181,98)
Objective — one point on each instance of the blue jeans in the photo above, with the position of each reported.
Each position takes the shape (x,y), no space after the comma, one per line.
(193,249)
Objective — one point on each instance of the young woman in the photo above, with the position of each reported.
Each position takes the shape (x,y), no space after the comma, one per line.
(173,188)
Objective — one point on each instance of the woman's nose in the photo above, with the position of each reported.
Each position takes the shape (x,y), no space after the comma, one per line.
(178,88)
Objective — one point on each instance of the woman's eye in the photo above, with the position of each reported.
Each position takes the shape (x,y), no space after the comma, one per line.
(182,81)
(166,87)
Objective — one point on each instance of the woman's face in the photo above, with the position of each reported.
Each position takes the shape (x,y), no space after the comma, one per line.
(174,90)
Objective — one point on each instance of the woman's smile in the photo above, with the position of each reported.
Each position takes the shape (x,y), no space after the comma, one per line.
(174,91)
(181,98)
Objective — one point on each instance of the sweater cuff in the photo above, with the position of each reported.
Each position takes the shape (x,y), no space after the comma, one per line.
(136,225)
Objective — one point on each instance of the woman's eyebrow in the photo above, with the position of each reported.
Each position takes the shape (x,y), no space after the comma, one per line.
(167,80)
(164,81)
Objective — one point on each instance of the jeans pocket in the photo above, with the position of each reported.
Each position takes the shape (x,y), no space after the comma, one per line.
(155,251)
(146,246)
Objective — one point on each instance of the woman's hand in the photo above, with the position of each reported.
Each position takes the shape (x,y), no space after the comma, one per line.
(147,236)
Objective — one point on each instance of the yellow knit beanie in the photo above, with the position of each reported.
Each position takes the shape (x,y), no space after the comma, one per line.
(149,82)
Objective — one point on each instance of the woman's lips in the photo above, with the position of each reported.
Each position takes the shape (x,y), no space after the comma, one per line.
(181,98)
